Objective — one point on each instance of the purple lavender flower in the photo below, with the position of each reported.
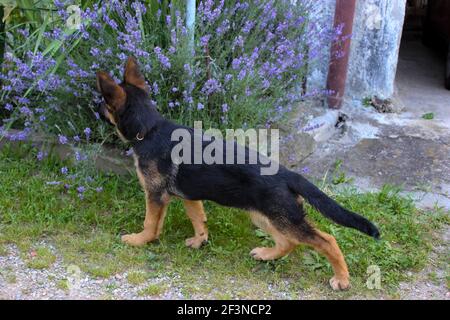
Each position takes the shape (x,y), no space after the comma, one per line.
(62,139)
(87,132)
(248,26)
(26,111)
(224,27)
(204,40)
(99,189)
(41,155)
(81,189)
(200,106)
(236,63)
(23,100)
(207,13)
(79,156)
(242,74)
(64,170)
(228,78)
(238,42)
(211,86)
(155,88)
(172,50)
(187,68)
(165,63)
(95,52)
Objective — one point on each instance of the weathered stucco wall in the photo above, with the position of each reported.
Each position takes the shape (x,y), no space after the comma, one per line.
(375,44)
(322,12)
(377,32)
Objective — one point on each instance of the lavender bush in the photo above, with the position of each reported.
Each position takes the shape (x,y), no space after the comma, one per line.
(245,69)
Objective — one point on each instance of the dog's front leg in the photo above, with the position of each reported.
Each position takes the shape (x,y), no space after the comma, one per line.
(153,223)
(195,212)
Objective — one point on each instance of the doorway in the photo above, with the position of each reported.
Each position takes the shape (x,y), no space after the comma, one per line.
(421,71)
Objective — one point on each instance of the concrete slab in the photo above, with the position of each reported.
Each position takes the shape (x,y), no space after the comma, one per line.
(401,149)
(420,82)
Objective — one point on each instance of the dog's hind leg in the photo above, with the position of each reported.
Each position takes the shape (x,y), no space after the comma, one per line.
(195,212)
(153,223)
(288,228)
(326,244)
(284,243)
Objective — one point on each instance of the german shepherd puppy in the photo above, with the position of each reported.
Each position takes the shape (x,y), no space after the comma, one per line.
(275,202)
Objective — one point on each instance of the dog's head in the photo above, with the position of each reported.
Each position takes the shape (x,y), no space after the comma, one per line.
(127,104)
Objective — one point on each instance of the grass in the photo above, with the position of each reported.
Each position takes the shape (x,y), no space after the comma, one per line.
(87,233)
(3,251)
(41,258)
(152,290)
(63,284)
(137,277)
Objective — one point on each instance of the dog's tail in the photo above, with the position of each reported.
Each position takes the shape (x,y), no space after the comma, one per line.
(329,208)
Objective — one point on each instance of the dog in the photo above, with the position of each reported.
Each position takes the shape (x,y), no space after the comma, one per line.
(275,202)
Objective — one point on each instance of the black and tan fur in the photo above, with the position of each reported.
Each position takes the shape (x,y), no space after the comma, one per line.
(275,202)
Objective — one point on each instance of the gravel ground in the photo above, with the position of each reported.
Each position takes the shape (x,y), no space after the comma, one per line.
(424,286)
(18,281)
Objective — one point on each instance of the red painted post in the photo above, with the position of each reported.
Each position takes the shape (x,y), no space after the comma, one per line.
(340,52)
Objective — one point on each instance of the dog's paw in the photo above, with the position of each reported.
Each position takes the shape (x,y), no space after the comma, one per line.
(197,241)
(339,284)
(262,253)
(136,239)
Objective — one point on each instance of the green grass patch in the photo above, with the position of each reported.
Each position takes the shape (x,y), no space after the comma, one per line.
(86,233)
(137,277)
(152,290)
(3,250)
(63,284)
(41,258)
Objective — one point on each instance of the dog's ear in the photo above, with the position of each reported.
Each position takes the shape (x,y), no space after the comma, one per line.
(133,75)
(114,94)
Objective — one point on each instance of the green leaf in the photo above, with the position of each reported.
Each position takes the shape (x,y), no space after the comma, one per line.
(41,34)
(8,7)
(428,116)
